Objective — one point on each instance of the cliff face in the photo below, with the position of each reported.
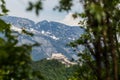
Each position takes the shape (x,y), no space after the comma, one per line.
(61,58)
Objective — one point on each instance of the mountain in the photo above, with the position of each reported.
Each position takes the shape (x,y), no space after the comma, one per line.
(52,35)
(61,58)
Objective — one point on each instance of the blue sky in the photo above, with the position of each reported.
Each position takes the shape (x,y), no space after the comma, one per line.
(17,8)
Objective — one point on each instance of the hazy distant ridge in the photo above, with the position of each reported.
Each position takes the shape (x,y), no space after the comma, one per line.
(52,35)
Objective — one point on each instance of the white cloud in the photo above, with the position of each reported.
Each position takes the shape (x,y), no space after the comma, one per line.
(18,8)
(69,20)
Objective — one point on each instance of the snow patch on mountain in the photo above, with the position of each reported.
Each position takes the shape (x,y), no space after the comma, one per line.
(52,36)
(16,29)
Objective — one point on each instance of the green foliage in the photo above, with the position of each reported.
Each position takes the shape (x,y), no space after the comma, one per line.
(37,6)
(15,60)
(84,72)
(54,70)
(101,39)
(64,5)
(3,7)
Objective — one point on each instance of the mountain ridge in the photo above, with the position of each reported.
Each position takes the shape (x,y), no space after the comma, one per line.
(6,17)
(53,35)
